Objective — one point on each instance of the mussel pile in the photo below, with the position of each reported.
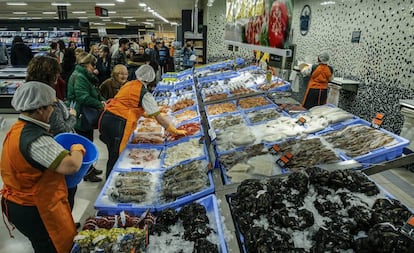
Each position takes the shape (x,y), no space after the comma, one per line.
(263,115)
(131,186)
(318,211)
(308,152)
(193,217)
(184,179)
(358,140)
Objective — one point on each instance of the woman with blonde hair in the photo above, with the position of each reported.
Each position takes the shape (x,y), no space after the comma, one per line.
(110,87)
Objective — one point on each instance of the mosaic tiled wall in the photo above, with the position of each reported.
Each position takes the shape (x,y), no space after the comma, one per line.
(383,60)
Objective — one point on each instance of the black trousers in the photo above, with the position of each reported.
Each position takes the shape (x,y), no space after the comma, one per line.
(111,132)
(315,97)
(71,196)
(27,220)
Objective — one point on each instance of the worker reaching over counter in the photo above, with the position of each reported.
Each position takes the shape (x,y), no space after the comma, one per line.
(320,75)
(123,111)
(33,168)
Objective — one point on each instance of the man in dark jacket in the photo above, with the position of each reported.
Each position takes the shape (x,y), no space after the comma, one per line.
(21,54)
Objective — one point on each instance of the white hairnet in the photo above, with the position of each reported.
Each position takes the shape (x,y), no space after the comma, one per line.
(33,95)
(324,57)
(145,73)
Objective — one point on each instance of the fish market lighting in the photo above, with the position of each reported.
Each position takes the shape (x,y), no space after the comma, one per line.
(128,17)
(105,4)
(78,12)
(82,17)
(17,4)
(131,20)
(142,4)
(150,20)
(111,12)
(121,1)
(106,20)
(174,23)
(49,12)
(160,17)
(327,2)
(20,12)
(61,4)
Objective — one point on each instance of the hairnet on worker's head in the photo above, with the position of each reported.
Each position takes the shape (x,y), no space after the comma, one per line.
(145,73)
(33,95)
(324,57)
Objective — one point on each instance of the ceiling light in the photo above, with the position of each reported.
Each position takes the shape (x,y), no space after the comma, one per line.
(327,2)
(131,20)
(105,4)
(152,11)
(111,12)
(61,4)
(142,4)
(98,23)
(147,23)
(121,1)
(150,19)
(82,17)
(174,23)
(35,18)
(106,20)
(78,12)
(17,4)
(14,18)
(160,17)
(49,12)
(20,12)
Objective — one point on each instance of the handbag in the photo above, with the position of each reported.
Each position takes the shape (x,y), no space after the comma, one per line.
(90,117)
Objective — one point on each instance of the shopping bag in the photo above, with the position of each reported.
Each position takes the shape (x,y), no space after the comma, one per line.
(90,117)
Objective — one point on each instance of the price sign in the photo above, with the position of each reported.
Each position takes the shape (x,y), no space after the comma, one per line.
(212,134)
(408,228)
(377,120)
(301,121)
(284,159)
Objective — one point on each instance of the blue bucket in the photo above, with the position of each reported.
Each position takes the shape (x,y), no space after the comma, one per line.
(67,140)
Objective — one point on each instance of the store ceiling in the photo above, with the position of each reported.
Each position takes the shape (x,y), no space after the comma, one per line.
(124,11)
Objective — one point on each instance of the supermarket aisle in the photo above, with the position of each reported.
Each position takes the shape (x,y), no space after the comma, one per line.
(85,198)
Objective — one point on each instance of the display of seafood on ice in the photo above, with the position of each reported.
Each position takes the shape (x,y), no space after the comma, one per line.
(148,131)
(318,211)
(192,128)
(183,151)
(357,140)
(111,240)
(308,152)
(140,158)
(251,102)
(121,220)
(181,104)
(278,129)
(221,123)
(263,115)
(184,116)
(319,117)
(217,96)
(147,139)
(132,186)
(187,231)
(184,179)
(272,85)
(221,108)
(235,136)
(235,91)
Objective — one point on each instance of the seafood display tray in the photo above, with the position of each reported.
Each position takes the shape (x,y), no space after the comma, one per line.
(378,155)
(106,207)
(124,162)
(186,139)
(229,102)
(199,134)
(285,87)
(270,102)
(260,108)
(235,113)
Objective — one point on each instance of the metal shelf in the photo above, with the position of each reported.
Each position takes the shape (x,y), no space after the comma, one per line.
(270,50)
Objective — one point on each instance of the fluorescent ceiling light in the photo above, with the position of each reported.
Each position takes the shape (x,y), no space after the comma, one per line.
(20,12)
(142,4)
(78,12)
(106,20)
(105,4)
(160,17)
(174,23)
(49,12)
(122,23)
(17,4)
(150,19)
(327,2)
(121,1)
(148,23)
(152,11)
(82,17)
(35,18)
(128,17)
(61,4)
(98,23)
(111,12)
(14,18)
(131,20)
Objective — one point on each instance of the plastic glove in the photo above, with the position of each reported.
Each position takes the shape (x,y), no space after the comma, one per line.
(78,147)
(175,131)
(147,116)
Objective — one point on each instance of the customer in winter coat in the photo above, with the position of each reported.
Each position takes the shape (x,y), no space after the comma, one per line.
(20,54)
(122,112)
(83,91)
(33,168)
(110,87)
(104,64)
(186,53)
(320,75)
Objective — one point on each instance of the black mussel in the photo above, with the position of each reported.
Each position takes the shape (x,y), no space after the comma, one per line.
(167,217)
(262,240)
(362,216)
(204,246)
(331,241)
(196,231)
(298,181)
(326,207)
(385,238)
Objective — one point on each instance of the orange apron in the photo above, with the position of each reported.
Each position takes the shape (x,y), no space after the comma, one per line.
(28,186)
(126,105)
(319,79)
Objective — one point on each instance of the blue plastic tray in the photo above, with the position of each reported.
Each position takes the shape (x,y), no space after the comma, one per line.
(122,164)
(378,155)
(185,139)
(106,207)
(189,197)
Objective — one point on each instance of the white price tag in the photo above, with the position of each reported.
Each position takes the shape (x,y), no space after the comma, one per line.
(212,134)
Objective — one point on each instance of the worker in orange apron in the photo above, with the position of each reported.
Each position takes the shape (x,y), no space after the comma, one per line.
(320,75)
(123,111)
(33,165)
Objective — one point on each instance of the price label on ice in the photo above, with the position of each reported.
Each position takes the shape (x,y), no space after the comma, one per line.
(275,149)
(408,228)
(301,121)
(284,159)
(212,134)
(377,120)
